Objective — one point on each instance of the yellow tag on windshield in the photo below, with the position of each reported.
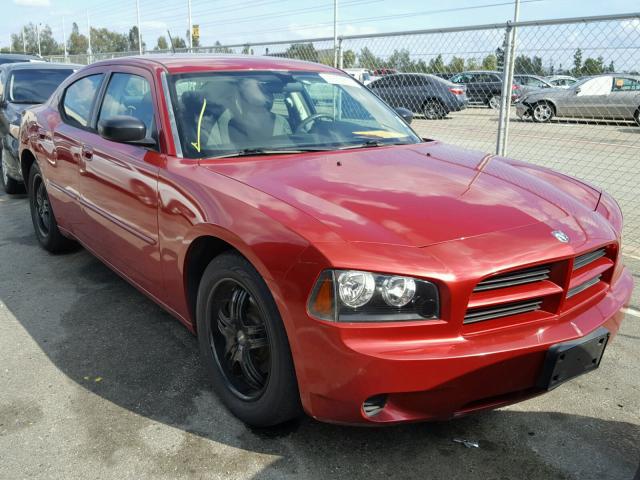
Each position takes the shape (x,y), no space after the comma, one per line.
(196,144)
(380,134)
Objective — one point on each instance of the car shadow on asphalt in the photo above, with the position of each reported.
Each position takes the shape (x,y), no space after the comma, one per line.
(117,344)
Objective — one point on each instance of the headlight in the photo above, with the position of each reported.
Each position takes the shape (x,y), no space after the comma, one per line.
(357,296)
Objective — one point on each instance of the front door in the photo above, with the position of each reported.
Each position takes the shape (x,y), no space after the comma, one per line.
(119,184)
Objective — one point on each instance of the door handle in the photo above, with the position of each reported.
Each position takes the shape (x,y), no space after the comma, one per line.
(87,152)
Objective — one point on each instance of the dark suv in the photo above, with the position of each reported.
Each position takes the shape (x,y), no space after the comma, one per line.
(484,87)
(423,94)
(23,85)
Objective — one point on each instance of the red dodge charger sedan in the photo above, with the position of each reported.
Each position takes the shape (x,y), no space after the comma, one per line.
(329,259)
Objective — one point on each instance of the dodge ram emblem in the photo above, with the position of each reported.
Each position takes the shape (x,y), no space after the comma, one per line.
(560,236)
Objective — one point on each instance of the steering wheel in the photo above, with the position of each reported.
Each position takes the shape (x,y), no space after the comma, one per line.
(312,119)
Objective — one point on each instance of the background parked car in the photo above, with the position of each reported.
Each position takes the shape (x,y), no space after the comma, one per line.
(361,74)
(530,83)
(16,58)
(424,94)
(561,81)
(606,97)
(23,85)
(485,87)
(381,72)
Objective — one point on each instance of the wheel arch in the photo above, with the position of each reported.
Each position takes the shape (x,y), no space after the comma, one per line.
(27,158)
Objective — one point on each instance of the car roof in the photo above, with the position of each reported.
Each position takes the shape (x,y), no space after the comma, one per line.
(18,56)
(40,66)
(181,63)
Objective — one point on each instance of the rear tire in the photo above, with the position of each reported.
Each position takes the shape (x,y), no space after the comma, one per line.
(433,110)
(542,112)
(44,221)
(11,185)
(636,116)
(244,344)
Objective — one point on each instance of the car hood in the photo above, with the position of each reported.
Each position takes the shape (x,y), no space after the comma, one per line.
(548,93)
(414,195)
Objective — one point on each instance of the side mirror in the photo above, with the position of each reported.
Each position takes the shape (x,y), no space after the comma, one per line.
(406,115)
(124,129)
(577,90)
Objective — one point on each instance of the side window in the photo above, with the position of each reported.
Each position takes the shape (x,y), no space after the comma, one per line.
(78,99)
(129,94)
(625,85)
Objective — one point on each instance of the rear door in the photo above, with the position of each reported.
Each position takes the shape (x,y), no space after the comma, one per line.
(119,182)
(625,97)
(63,146)
(590,100)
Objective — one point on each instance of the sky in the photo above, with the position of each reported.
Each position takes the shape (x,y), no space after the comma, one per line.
(240,21)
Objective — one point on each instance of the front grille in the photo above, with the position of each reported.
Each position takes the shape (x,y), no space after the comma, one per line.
(587,258)
(583,286)
(489,313)
(519,277)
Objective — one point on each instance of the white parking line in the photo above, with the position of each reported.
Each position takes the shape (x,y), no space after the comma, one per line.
(631,311)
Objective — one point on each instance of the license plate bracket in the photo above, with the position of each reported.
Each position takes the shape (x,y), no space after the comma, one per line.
(567,360)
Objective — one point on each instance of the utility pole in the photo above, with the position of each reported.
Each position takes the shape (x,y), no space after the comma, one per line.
(335,33)
(139,30)
(38,36)
(89,51)
(190,26)
(64,40)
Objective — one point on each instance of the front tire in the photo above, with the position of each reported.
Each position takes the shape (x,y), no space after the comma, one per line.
(44,221)
(244,344)
(494,103)
(542,112)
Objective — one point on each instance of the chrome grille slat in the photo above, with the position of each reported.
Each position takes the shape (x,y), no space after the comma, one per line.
(519,277)
(587,258)
(583,286)
(483,314)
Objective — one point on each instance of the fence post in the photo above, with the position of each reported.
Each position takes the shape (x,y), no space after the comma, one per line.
(505,96)
(340,54)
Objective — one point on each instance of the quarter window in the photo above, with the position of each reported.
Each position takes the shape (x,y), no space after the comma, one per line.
(78,100)
(130,95)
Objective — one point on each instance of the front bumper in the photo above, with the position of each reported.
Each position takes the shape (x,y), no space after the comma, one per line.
(432,379)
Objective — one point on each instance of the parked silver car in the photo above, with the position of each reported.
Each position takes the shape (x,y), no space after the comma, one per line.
(530,83)
(605,97)
(561,81)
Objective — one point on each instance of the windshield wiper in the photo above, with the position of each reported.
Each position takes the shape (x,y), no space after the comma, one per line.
(251,152)
(372,143)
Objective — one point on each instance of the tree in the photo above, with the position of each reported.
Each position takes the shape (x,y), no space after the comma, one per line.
(401,60)
(247,50)
(48,45)
(302,51)
(577,62)
(134,39)
(490,62)
(367,59)
(531,66)
(593,66)
(107,41)
(472,64)
(348,59)
(162,43)
(436,65)
(179,42)
(456,65)
(611,68)
(77,43)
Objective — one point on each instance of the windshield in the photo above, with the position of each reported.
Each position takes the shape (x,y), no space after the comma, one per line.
(220,113)
(35,85)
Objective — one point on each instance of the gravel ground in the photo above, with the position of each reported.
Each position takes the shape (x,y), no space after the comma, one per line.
(96,381)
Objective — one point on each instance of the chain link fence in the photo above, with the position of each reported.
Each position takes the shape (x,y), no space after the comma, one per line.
(573,103)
